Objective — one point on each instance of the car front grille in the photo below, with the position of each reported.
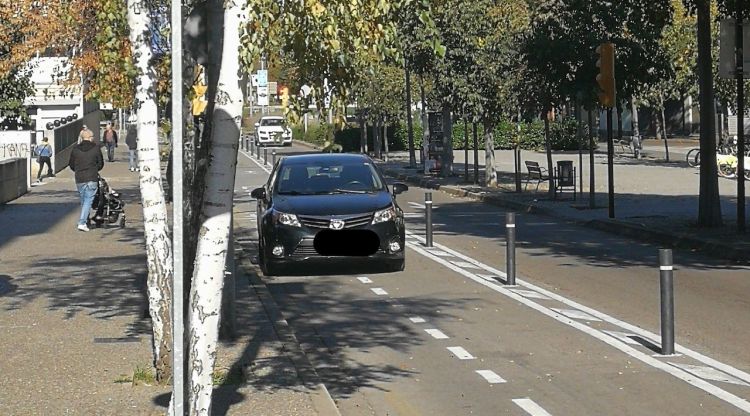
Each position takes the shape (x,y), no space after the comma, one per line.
(324,222)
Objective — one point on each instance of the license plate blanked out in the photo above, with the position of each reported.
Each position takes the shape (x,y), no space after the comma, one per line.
(346,243)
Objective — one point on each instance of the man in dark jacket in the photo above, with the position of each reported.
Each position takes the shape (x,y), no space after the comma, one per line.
(86,161)
(131,140)
(110,140)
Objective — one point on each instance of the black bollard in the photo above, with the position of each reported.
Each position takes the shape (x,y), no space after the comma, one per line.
(265,156)
(257,150)
(273,158)
(247,143)
(510,248)
(667,301)
(428,218)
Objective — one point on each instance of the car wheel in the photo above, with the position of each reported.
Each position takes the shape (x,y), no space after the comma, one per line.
(397,266)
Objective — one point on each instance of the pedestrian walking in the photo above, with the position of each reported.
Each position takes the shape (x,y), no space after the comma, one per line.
(131,139)
(110,140)
(44,157)
(85,132)
(86,161)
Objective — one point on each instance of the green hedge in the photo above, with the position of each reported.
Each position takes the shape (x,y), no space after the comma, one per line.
(506,134)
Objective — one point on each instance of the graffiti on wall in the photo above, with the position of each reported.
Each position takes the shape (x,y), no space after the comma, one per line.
(13,150)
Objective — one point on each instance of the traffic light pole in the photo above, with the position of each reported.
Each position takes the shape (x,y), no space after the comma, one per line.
(610,164)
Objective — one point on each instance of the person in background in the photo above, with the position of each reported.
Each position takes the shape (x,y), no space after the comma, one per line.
(110,140)
(131,139)
(85,132)
(86,161)
(44,151)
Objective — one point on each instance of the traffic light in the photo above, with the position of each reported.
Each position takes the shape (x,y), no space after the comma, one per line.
(606,77)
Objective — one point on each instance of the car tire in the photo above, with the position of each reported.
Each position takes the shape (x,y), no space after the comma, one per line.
(397,266)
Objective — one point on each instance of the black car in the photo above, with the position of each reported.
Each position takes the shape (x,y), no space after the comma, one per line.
(324,207)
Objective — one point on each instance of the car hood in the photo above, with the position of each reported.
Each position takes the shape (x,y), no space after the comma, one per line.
(271,129)
(337,204)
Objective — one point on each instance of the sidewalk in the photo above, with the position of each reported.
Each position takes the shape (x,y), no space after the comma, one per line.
(74,327)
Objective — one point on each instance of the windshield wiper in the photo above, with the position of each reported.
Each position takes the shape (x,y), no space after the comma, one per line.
(349,191)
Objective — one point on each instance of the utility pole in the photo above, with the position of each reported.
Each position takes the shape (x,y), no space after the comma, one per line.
(740,118)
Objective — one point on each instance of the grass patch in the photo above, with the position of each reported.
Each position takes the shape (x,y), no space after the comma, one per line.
(144,376)
(225,377)
(123,378)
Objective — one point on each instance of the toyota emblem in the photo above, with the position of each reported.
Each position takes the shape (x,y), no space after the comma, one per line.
(336,224)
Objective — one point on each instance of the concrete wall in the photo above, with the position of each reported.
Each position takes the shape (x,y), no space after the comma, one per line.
(14,177)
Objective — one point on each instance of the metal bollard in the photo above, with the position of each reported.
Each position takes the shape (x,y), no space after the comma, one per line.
(265,156)
(247,143)
(273,158)
(252,147)
(667,301)
(428,218)
(510,248)
(257,150)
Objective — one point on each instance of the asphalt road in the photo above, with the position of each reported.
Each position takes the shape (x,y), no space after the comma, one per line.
(577,336)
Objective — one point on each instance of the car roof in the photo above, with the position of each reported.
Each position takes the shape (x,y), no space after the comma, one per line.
(326,158)
(272,117)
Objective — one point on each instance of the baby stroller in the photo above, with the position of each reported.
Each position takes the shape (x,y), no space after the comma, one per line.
(110,209)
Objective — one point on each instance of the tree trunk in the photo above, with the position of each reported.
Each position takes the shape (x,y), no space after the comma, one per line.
(446,164)
(409,123)
(211,254)
(362,133)
(709,206)
(466,150)
(548,150)
(490,177)
(425,123)
(155,220)
(377,148)
(619,120)
(385,139)
(663,127)
(636,128)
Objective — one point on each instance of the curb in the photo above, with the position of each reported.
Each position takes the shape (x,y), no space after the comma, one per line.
(321,398)
(621,228)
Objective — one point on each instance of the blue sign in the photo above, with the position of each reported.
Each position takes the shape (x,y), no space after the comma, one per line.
(262,77)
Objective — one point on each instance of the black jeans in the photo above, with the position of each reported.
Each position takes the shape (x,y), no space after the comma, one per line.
(42,161)
(110,151)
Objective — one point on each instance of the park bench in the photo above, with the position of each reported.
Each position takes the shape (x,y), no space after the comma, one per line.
(536,173)
(625,144)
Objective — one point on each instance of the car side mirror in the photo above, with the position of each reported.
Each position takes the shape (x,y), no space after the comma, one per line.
(399,187)
(257,124)
(258,193)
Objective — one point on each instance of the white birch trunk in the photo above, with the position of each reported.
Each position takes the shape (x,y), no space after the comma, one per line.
(490,172)
(155,220)
(213,243)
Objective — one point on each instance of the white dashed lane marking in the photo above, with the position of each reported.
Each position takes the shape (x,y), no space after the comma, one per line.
(465,264)
(436,333)
(379,291)
(461,353)
(576,314)
(491,376)
(417,320)
(530,407)
(364,279)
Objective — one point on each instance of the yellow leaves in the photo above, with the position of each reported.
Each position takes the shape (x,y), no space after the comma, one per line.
(315,7)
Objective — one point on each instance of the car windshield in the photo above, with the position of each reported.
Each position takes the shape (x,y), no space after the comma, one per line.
(272,122)
(320,179)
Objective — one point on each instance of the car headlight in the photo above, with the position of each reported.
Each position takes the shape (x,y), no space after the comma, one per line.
(286,219)
(384,215)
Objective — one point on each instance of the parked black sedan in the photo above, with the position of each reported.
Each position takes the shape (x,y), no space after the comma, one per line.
(328,207)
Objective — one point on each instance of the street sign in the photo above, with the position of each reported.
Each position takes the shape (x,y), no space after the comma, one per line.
(254,80)
(263,95)
(727,53)
(262,77)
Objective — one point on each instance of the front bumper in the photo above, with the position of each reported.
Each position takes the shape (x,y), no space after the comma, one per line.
(307,244)
(271,138)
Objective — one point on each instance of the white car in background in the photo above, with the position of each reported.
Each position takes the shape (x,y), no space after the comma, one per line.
(273,130)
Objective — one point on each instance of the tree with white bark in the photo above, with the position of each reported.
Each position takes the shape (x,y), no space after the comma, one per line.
(155,220)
